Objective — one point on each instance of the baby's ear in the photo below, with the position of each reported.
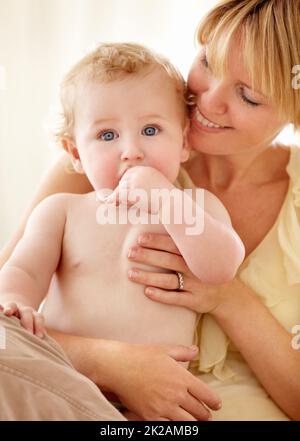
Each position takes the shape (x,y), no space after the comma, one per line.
(186,149)
(72,151)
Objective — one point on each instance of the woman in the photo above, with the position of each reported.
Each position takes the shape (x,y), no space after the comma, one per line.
(239,110)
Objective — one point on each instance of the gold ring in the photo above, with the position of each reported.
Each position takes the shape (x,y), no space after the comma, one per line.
(180,281)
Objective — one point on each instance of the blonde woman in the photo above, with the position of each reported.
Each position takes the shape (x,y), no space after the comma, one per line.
(245,93)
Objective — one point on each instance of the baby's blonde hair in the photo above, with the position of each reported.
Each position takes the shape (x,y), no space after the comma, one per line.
(111,62)
(269,32)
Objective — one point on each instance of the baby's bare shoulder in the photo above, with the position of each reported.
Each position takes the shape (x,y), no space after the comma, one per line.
(64,200)
(54,209)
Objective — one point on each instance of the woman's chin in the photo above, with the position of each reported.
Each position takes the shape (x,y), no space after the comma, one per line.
(204,143)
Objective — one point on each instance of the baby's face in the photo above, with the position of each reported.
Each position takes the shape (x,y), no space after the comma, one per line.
(134,121)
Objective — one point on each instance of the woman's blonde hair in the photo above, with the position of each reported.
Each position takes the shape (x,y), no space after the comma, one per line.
(111,62)
(269,31)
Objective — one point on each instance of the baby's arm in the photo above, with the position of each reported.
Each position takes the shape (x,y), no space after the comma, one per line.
(215,253)
(25,278)
(57,179)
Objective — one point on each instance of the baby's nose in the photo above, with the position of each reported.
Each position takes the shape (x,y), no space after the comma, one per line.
(132,151)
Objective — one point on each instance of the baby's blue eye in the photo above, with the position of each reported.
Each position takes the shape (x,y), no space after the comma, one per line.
(108,135)
(150,131)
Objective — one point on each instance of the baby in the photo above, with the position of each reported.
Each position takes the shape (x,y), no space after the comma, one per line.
(124,125)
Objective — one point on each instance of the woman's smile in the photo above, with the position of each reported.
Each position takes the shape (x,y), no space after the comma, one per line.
(201,122)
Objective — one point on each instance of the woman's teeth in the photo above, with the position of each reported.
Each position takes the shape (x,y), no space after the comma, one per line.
(205,122)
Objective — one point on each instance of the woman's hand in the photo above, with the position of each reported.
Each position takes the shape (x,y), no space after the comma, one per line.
(151,383)
(160,250)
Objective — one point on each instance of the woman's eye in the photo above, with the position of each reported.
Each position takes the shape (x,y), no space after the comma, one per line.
(247,100)
(150,131)
(108,135)
(204,61)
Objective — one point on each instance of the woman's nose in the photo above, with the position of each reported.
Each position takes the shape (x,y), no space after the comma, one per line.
(214,99)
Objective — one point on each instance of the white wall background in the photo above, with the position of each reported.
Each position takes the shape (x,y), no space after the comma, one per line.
(39,41)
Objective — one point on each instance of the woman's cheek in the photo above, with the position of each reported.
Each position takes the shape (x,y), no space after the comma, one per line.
(197,79)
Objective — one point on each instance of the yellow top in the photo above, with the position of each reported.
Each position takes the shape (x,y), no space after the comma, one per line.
(272,271)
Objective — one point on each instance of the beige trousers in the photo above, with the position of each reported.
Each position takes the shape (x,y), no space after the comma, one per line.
(39,383)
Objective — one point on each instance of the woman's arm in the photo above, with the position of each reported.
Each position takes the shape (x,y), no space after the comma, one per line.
(263,342)
(243,317)
(147,379)
(56,180)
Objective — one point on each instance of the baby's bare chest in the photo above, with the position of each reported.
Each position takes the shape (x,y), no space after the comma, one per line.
(101,248)
(91,293)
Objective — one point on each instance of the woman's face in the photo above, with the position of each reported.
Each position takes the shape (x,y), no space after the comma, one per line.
(229,117)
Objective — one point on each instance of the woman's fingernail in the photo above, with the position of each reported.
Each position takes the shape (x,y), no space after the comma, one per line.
(150,291)
(194,348)
(132,252)
(143,239)
(40,334)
